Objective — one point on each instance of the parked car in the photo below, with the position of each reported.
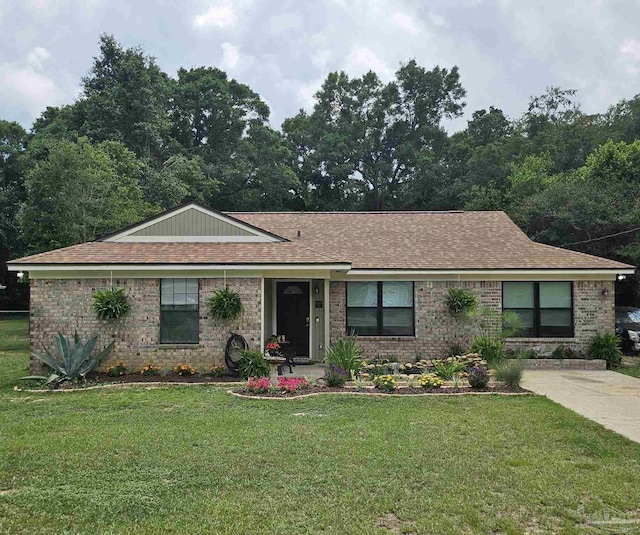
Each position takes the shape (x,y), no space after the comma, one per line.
(628,328)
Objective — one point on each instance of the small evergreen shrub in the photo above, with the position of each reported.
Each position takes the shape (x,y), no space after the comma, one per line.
(225,304)
(111,303)
(564,352)
(478,376)
(253,364)
(460,302)
(510,373)
(606,346)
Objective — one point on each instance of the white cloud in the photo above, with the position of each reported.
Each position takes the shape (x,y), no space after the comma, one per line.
(37,56)
(630,49)
(230,57)
(405,23)
(217,16)
(437,20)
(286,22)
(362,59)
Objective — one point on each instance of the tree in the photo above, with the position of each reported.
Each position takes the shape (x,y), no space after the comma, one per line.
(125,98)
(80,191)
(367,136)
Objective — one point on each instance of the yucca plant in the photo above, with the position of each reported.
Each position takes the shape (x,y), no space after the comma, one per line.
(345,354)
(460,302)
(111,303)
(74,361)
(225,304)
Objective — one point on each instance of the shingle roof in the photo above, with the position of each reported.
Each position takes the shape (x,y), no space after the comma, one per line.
(105,252)
(367,240)
(423,240)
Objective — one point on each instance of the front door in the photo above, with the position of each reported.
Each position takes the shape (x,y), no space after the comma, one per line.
(293,315)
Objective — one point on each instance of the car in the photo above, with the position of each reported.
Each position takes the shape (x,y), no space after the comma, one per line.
(628,329)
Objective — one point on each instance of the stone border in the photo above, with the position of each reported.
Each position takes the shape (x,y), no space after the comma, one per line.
(564,364)
(381,394)
(124,385)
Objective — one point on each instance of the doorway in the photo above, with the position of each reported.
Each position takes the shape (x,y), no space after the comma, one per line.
(292,317)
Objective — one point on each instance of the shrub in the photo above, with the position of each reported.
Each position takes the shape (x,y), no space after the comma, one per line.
(564,352)
(258,385)
(111,303)
(73,362)
(447,368)
(478,376)
(490,348)
(460,302)
(150,369)
(606,346)
(117,369)
(292,384)
(225,304)
(430,380)
(455,349)
(335,376)
(184,370)
(520,353)
(385,382)
(253,364)
(217,371)
(346,354)
(510,373)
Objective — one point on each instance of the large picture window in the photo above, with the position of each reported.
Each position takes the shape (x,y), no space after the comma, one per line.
(380,308)
(545,308)
(179,311)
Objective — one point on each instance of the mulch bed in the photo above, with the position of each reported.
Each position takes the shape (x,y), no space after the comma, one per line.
(169,378)
(498,389)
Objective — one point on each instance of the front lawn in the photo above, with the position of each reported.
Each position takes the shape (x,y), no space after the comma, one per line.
(197,460)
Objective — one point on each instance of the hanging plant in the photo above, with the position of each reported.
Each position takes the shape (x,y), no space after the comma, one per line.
(460,302)
(111,303)
(225,304)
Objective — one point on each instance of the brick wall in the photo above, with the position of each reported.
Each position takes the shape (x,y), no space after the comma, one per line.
(436,329)
(65,305)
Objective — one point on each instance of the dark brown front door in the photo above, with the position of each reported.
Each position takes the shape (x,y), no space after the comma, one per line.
(293,315)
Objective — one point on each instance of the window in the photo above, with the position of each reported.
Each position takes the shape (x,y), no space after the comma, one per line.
(179,311)
(545,308)
(380,308)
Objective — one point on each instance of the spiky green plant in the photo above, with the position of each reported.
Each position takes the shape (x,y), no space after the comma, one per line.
(346,354)
(606,346)
(253,364)
(111,303)
(460,302)
(225,304)
(73,361)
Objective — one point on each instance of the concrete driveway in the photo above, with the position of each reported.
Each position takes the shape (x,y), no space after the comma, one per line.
(606,397)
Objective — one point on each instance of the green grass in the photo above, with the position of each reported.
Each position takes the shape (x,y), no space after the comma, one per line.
(633,371)
(196,460)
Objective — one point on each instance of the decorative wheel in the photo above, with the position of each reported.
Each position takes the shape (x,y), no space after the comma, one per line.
(236,345)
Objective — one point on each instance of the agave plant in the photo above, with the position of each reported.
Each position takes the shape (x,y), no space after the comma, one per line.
(73,360)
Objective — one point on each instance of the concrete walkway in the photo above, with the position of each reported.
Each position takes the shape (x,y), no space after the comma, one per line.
(609,398)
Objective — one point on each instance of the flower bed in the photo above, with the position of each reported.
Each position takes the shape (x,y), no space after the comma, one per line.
(400,391)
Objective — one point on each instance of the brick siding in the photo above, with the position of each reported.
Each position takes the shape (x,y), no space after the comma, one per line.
(436,330)
(65,305)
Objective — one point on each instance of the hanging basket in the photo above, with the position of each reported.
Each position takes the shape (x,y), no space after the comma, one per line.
(225,304)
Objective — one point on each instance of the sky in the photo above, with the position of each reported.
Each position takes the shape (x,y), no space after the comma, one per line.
(507,50)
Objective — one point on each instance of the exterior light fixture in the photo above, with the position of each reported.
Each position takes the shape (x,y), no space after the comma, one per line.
(621,277)
(20,275)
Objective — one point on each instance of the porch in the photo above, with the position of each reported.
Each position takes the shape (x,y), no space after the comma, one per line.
(298,309)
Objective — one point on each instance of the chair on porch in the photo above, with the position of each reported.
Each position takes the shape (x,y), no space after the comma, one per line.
(289,353)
